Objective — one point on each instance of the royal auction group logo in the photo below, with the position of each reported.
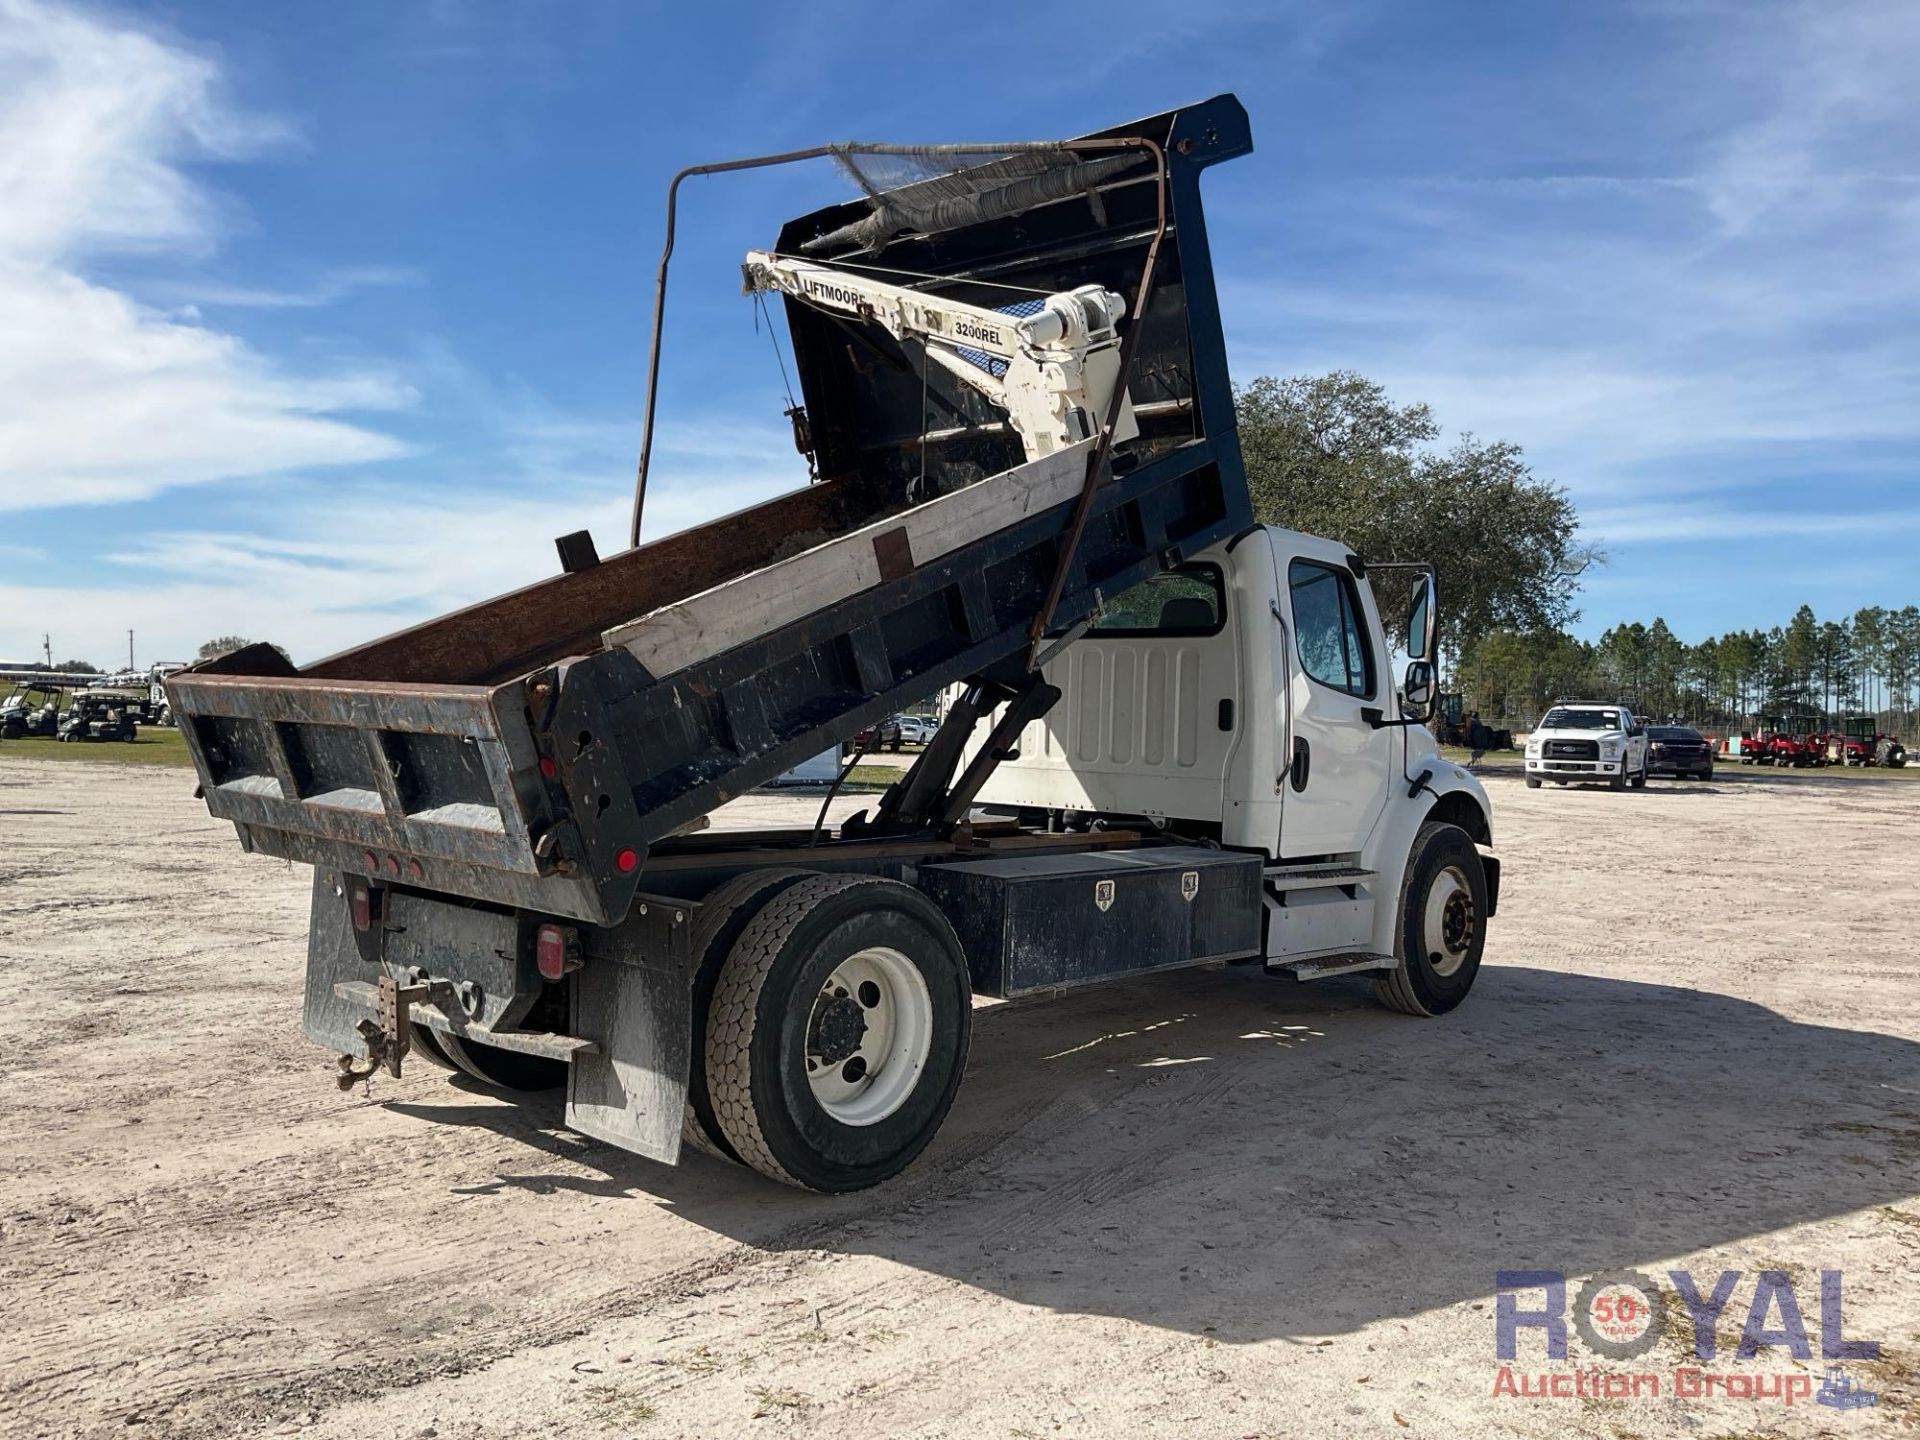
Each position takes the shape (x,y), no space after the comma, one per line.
(1621,1315)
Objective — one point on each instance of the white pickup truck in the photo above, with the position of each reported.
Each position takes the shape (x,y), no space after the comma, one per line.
(1588,741)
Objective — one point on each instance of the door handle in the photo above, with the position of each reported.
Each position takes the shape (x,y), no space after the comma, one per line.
(1302,764)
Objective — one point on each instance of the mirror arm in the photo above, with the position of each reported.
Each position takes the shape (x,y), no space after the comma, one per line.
(1376,719)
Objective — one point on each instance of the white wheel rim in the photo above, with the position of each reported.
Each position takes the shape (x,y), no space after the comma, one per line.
(1448,923)
(862,1080)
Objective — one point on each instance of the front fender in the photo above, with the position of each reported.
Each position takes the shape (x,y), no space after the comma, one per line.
(1449,793)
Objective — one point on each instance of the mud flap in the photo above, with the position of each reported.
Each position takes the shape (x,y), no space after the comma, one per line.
(333,958)
(634,997)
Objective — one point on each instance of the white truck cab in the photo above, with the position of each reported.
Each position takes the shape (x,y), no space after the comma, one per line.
(1588,740)
(1246,699)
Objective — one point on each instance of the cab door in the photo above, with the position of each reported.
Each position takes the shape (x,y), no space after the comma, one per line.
(1338,766)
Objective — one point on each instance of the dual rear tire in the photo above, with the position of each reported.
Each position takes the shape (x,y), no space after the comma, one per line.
(832,1016)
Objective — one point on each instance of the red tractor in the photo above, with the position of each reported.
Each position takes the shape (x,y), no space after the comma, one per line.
(1859,742)
(1780,743)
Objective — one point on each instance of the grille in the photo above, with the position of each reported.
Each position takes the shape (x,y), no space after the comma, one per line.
(1573,749)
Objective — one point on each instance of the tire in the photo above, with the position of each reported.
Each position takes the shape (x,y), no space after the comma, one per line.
(1618,782)
(1533,783)
(504,1069)
(780,1094)
(1437,970)
(717,924)
(1640,780)
(1706,774)
(426,1044)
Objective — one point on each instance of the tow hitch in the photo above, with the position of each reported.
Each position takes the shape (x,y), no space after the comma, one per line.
(389,1037)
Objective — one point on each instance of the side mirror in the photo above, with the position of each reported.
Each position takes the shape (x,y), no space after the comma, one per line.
(1422,614)
(1416,691)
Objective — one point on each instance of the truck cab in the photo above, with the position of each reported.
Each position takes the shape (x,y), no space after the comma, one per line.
(1588,740)
(1247,699)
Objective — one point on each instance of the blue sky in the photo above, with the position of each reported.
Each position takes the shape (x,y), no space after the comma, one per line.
(318,319)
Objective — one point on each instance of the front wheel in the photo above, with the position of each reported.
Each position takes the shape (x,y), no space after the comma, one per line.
(838,1032)
(1442,930)
(1532,783)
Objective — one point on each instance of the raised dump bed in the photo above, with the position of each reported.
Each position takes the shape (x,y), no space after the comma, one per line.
(529,751)
(546,789)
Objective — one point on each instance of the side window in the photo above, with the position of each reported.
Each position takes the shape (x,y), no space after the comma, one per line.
(1190,600)
(1328,634)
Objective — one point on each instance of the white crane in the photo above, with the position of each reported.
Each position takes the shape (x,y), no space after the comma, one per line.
(1061,364)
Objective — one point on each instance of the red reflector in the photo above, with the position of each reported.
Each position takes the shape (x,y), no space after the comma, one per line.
(370,860)
(362,908)
(548,768)
(415,870)
(550,951)
(393,864)
(628,859)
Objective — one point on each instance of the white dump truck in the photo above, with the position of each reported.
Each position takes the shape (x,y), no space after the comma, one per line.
(1174,737)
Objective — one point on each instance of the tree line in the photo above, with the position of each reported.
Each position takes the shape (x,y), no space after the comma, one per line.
(1867,663)
(1334,455)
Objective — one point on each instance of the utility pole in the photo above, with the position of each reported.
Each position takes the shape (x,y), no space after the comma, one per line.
(129,649)
(46,645)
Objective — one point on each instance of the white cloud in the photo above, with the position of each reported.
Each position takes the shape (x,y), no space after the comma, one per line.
(103,398)
(1741,309)
(337,565)
(1686,523)
(328,288)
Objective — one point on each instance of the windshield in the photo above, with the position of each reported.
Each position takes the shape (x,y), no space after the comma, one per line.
(1673,732)
(1566,719)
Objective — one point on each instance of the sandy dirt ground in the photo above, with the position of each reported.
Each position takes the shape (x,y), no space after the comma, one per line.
(1201,1204)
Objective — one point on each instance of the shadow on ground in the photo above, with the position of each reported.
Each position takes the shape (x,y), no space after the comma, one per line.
(1225,1153)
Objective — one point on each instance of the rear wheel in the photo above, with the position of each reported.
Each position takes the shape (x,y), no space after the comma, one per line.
(427,1045)
(716,925)
(1442,930)
(508,1069)
(1640,780)
(838,1032)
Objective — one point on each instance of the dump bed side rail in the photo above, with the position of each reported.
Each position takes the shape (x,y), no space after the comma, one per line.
(689,742)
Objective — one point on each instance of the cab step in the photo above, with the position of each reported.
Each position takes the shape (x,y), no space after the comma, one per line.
(1319,875)
(1320,967)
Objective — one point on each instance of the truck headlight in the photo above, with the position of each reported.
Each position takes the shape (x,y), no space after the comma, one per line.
(1610,749)
(1533,748)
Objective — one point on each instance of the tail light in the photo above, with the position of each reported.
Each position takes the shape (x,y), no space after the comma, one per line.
(556,950)
(364,901)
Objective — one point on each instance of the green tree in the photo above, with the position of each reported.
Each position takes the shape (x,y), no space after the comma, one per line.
(1833,659)
(1797,653)
(1333,455)
(223,645)
(1870,655)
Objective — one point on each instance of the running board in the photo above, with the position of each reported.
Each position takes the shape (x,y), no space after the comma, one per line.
(1323,966)
(1317,876)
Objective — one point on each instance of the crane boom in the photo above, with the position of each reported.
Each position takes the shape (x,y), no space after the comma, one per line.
(1058,369)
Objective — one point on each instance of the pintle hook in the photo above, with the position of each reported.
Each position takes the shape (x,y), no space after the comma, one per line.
(388,1038)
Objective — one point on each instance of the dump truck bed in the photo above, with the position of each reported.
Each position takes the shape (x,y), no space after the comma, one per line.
(528,751)
(544,790)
